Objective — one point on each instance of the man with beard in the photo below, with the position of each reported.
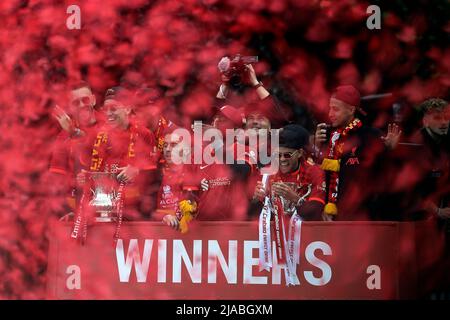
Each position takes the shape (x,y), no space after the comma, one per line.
(299,182)
(177,178)
(78,120)
(432,192)
(435,156)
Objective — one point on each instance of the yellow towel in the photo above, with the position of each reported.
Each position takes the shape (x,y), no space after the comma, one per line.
(188,210)
(331,209)
(331,165)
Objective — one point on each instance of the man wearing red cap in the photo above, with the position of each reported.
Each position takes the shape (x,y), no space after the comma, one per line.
(228,117)
(350,150)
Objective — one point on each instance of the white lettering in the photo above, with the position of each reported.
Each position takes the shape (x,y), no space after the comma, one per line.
(312,259)
(74,20)
(374,281)
(73,281)
(249,262)
(214,254)
(133,256)
(194,268)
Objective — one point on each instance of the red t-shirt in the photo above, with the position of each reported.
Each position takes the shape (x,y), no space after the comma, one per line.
(221,197)
(242,152)
(174,182)
(65,160)
(109,150)
(308,179)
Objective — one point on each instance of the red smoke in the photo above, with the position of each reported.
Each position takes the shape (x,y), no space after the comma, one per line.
(173,48)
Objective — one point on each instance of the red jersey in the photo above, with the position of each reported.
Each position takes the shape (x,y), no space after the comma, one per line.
(175,181)
(221,197)
(242,152)
(65,159)
(109,150)
(308,181)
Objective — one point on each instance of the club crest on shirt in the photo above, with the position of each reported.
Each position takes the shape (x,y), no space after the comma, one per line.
(353,158)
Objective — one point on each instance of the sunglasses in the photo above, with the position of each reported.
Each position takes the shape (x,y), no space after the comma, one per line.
(114,107)
(286,155)
(84,100)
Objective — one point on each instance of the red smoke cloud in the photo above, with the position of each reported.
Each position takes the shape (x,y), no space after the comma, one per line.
(173,48)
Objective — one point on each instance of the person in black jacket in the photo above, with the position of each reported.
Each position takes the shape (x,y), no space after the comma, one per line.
(349,149)
(435,157)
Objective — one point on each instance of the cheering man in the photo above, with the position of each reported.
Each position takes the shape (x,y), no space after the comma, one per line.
(77,120)
(299,182)
(127,150)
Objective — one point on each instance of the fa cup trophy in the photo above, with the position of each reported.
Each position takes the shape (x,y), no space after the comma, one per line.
(104,198)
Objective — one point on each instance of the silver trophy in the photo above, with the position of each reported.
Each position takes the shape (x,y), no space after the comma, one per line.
(104,199)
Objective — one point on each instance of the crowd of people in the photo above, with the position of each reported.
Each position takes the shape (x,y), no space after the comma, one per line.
(163,54)
(345,170)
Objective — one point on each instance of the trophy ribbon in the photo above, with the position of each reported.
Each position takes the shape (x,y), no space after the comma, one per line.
(79,230)
(265,241)
(280,238)
(120,200)
(293,260)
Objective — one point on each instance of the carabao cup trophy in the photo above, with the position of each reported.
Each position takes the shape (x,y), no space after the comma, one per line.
(104,196)
(289,206)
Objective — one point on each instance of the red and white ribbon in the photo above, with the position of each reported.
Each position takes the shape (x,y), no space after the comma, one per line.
(293,249)
(265,239)
(84,212)
(120,200)
(280,238)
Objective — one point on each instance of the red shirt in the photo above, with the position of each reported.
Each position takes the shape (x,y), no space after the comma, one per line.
(61,159)
(221,197)
(308,179)
(65,161)
(109,150)
(242,152)
(174,182)
(65,158)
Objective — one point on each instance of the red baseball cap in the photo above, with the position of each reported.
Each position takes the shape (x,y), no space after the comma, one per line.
(350,95)
(233,114)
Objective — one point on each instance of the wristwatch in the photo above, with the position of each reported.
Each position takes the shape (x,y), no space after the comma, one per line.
(259,84)
(76,132)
